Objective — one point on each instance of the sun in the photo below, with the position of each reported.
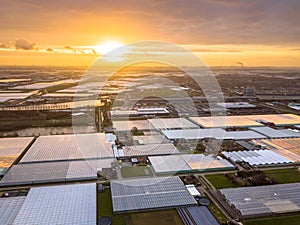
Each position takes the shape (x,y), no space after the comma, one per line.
(107,46)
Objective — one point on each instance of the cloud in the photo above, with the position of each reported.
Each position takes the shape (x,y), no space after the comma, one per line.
(199,22)
(5,45)
(22,44)
(49,49)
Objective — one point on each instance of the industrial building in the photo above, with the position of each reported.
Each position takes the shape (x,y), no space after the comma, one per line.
(149,194)
(263,200)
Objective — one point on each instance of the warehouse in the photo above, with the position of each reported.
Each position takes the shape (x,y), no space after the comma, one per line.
(172,123)
(59,205)
(256,157)
(11,149)
(149,193)
(47,172)
(264,200)
(188,163)
(68,147)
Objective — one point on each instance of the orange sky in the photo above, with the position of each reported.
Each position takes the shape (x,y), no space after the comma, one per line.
(221,33)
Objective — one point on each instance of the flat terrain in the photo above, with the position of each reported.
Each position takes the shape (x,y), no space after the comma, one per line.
(137,171)
(165,217)
(284,220)
(104,208)
(220,181)
(285,175)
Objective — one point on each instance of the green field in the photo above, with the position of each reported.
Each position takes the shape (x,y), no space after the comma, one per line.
(217,213)
(284,220)
(220,181)
(165,217)
(284,175)
(137,171)
(104,208)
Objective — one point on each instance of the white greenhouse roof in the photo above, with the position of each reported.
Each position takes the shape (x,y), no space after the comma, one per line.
(127,125)
(246,120)
(149,193)
(257,157)
(14,146)
(68,147)
(188,162)
(9,208)
(264,200)
(216,133)
(172,123)
(149,149)
(7,96)
(273,133)
(11,149)
(236,105)
(65,204)
(29,173)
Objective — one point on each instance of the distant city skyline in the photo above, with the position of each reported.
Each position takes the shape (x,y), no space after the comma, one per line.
(221,33)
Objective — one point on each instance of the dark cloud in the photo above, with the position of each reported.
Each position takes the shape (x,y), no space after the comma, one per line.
(49,49)
(4,45)
(22,44)
(192,22)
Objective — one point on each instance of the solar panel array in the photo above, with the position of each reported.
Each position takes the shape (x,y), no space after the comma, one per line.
(256,157)
(149,193)
(9,207)
(264,200)
(30,173)
(11,149)
(65,204)
(68,147)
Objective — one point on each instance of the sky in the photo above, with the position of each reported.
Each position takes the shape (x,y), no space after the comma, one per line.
(220,32)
